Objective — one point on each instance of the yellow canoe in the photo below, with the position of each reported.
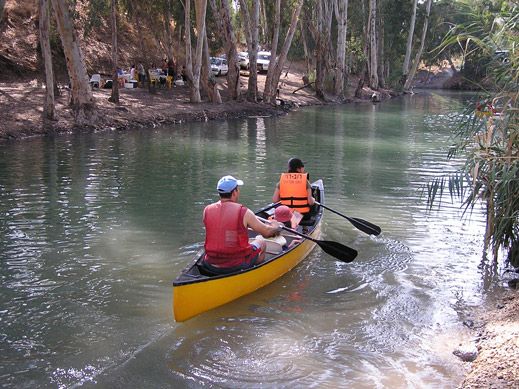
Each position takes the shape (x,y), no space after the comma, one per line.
(195,293)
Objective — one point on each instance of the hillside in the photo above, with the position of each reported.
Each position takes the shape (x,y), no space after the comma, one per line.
(19,46)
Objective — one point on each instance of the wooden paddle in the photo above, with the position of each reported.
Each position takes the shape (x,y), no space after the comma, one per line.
(361,224)
(335,249)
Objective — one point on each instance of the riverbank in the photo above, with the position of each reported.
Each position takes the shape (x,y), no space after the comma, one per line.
(22,100)
(496,345)
(21,103)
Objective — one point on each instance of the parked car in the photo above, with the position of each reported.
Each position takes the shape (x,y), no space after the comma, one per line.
(243,60)
(219,66)
(263,61)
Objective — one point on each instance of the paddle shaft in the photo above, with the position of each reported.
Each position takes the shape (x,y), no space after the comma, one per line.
(335,249)
(266,208)
(363,225)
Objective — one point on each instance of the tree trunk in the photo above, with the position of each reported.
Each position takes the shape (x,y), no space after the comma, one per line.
(324,21)
(373,46)
(416,62)
(363,73)
(226,28)
(207,78)
(81,99)
(189,51)
(200,11)
(308,56)
(193,70)
(167,31)
(280,62)
(342,27)
(48,106)
(251,28)
(114,97)
(320,53)
(267,90)
(263,26)
(381,58)
(409,46)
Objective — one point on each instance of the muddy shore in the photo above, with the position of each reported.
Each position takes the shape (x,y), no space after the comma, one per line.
(21,102)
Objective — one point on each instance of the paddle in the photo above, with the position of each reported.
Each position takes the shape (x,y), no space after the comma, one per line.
(363,225)
(266,208)
(335,249)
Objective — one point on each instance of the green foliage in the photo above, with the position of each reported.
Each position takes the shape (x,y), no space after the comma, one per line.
(488,132)
(462,30)
(355,47)
(98,11)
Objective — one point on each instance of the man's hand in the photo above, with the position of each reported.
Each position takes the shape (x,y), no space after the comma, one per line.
(279,226)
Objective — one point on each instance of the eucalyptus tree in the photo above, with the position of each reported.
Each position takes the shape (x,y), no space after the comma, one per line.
(277,62)
(363,32)
(251,23)
(167,29)
(306,48)
(409,45)
(341,75)
(114,97)
(222,13)
(410,77)
(207,78)
(263,21)
(322,37)
(193,68)
(44,24)
(381,28)
(267,90)
(373,45)
(81,98)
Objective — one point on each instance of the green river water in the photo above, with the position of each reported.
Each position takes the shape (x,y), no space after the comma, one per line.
(94,228)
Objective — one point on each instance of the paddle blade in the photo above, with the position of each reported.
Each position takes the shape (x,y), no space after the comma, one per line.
(365,226)
(335,249)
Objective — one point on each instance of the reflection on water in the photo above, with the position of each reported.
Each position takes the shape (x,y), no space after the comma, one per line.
(95,227)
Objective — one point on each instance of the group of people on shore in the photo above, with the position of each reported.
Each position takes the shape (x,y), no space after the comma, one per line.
(138,73)
(227,245)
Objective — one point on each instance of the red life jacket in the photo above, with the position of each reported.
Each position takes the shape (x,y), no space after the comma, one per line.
(226,238)
(293,191)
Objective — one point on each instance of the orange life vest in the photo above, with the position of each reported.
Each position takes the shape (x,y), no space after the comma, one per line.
(226,238)
(293,191)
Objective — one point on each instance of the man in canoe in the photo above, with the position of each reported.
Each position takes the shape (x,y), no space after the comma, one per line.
(227,246)
(294,189)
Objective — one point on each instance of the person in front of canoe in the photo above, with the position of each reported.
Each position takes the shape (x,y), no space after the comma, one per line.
(290,219)
(287,216)
(294,189)
(227,246)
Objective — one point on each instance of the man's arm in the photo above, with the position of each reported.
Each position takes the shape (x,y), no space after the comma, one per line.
(250,220)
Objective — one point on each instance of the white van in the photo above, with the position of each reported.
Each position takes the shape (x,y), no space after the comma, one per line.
(219,66)
(263,61)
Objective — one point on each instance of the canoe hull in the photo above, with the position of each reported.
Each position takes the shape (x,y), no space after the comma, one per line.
(193,299)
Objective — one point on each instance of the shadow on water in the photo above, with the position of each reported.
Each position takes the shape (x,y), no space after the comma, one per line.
(94,228)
